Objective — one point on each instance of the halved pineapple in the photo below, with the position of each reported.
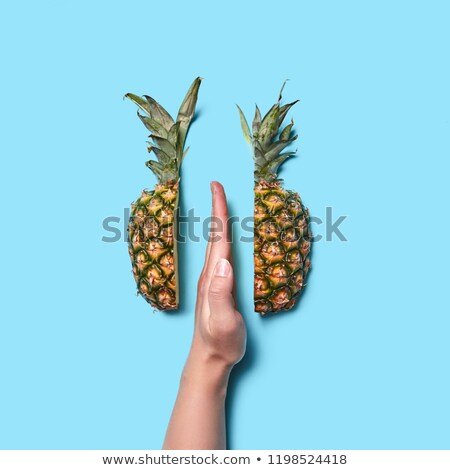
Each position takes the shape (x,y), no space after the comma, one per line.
(152,227)
(282,235)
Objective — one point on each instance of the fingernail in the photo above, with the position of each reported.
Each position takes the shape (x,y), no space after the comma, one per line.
(211,185)
(223,268)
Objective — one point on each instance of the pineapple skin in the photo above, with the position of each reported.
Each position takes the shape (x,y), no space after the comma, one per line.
(282,246)
(152,246)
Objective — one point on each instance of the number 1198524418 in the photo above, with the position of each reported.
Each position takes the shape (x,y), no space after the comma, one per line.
(307,459)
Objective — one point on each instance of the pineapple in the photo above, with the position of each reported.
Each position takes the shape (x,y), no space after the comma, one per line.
(152,226)
(282,236)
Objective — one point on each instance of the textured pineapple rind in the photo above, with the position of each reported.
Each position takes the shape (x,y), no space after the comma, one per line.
(151,246)
(282,246)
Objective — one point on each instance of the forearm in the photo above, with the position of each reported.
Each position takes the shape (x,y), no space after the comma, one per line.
(198,417)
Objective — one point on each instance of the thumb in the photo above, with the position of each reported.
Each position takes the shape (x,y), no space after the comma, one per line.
(220,293)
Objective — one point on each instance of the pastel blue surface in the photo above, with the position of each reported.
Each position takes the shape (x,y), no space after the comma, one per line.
(363,363)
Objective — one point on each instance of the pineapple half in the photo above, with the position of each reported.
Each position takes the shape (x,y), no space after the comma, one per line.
(282,236)
(152,241)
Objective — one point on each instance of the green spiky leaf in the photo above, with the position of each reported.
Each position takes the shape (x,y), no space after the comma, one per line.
(256,121)
(271,169)
(163,158)
(259,156)
(266,146)
(165,146)
(156,167)
(168,136)
(184,154)
(140,102)
(172,137)
(280,95)
(187,109)
(163,172)
(153,126)
(276,148)
(286,132)
(244,126)
(269,125)
(158,113)
(284,110)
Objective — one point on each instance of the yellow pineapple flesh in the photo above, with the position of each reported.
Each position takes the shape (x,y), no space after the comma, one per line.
(281,247)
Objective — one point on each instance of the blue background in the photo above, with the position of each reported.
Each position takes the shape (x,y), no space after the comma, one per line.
(363,363)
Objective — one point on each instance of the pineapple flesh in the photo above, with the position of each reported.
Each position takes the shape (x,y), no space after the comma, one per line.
(152,241)
(282,235)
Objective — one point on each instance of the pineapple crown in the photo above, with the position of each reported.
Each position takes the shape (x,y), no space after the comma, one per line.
(168,136)
(267,148)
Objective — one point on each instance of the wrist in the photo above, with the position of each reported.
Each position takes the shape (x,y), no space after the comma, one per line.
(205,371)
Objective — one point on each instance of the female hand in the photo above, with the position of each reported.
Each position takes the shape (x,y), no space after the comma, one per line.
(198,417)
(219,332)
